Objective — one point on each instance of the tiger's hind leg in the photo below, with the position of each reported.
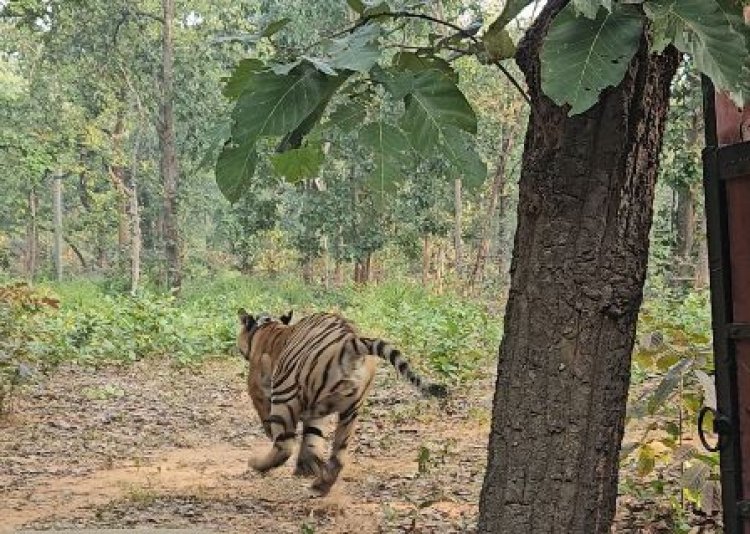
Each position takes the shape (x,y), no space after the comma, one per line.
(283,423)
(344,429)
(310,460)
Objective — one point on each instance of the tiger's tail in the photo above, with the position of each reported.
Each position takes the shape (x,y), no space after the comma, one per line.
(388,352)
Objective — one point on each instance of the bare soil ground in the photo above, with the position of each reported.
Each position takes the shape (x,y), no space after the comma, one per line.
(152,445)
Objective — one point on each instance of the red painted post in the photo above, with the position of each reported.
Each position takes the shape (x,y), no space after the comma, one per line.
(733,126)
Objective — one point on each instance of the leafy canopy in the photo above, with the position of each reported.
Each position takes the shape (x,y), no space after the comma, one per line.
(406,106)
(591,42)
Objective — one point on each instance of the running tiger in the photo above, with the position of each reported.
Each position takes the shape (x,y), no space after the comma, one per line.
(310,370)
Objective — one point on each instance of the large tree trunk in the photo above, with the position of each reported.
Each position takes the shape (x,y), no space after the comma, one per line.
(169,166)
(32,237)
(579,263)
(57,225)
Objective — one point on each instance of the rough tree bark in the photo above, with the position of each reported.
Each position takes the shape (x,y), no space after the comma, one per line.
(579,263)
(169,165)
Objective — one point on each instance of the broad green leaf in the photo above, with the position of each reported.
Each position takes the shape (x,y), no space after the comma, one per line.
(667,386)
(294,138)
(653,399)
(358,51)
(459,148)
(704,29)
(235,168)
(275,26)
(349,116)
(433,103)
(356,5)
(412,62)
(581,57)
(276,105)
(389,146)
(241,77)
(498,44)
(298,163)
(587,8)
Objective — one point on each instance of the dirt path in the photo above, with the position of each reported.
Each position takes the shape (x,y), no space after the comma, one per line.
(150,445)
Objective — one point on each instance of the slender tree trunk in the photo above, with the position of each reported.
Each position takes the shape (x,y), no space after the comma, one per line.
(498,184)
(457,241)
(338,274)
(579,263)
(326,263)
(307,270)
(57,225)
(685,225)
(426,259)
(136,238)
(169,165)
(117,177)
(367,268)
(32,237)
(440,271)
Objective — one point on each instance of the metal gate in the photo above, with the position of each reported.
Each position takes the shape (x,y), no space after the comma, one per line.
(726,176)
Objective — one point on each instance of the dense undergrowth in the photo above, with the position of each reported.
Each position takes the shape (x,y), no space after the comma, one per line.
(445,333)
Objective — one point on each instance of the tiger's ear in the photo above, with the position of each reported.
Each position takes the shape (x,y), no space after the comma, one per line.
(286,319)
(245,318)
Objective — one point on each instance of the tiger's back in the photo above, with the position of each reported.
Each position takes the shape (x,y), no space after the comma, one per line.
(308,371)
(326,364)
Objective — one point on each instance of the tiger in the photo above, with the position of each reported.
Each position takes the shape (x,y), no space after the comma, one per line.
(308,371)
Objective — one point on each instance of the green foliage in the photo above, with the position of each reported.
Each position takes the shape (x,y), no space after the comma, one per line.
(583,56)
(705,30)
(389,149)
(22,326)
(298,163)
(289,100)
(671,385)
(451,337)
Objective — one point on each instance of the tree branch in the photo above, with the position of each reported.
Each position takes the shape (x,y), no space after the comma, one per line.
(463,32)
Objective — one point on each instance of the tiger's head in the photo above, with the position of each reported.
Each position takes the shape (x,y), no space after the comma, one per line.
(254,331)
(261,341)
